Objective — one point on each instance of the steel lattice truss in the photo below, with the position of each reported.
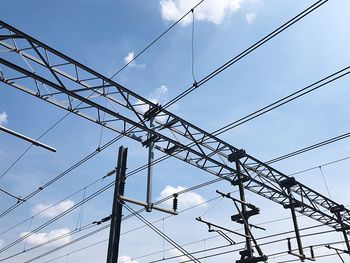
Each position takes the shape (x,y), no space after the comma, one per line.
(41,71)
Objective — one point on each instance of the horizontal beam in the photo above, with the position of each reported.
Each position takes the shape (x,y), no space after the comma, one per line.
(26,138)
(66,83)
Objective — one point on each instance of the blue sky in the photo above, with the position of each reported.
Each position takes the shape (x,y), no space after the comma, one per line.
(102,35)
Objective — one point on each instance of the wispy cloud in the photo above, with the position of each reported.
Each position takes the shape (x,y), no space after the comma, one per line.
(250,17)
(3,118)
(185,200)
(211,10)
(126,259)
(48,210)
(129,59)
(39,238)
(157,96)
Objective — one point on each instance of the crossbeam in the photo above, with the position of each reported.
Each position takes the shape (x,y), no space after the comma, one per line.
(41,71)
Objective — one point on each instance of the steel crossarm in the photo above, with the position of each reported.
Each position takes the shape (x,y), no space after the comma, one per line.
(39,70)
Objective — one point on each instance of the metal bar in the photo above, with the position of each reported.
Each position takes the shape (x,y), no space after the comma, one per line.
(137,202)
(244,210)
(296,229)
(21,136)
(150,170)
(117,207)
(220,227)
(267,182)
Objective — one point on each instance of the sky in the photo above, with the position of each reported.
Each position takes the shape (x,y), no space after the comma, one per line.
(105,35)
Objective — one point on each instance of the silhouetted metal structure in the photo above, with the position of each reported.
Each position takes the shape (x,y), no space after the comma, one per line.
(43,72)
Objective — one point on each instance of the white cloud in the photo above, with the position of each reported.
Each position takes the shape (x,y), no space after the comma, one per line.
(126,259)
(250,17)
(129,58)
(39,238)
(213,11)
(185,200)
(51,211)
(157,96)
(3,118)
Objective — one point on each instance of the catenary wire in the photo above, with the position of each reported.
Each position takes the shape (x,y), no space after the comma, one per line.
(309,148)
(248,51)
(155,40)
(61,119)
(50,206)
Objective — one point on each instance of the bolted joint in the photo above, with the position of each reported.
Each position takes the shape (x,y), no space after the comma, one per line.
(235,156)
(152,112)
(288,183)
(337,209)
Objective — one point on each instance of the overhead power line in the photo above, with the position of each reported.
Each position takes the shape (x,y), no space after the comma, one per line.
(155,40)
(309,148)
(247,51)
(291,97)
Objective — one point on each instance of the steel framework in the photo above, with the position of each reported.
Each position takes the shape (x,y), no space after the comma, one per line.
(41,71)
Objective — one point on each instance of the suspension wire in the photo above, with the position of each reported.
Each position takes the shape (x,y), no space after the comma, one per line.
(325,182)
(164,157)
(212,207)
(25,241)
(192,48)
(68,244)
(103,119)
(155,40)
(77,250)
(309,148)
(141,210)
(167,238)
(93,224)
(64,173)
(47,208)
(248,50)
(68,234)
(280,102)
(322,165)
(80,215)
(242,242)
(52,220)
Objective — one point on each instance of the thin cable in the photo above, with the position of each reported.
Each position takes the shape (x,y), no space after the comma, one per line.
(67,171)
(293,96)
(309,148)
(192,47)
(211,207)
(154,41)
(30,146)
(248,50)
(325,182)
(49,207)
(155,229)
(68,244)
(52,220)
(322,165)
(68,234)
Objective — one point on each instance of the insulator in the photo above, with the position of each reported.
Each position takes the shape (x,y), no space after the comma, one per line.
(175,202)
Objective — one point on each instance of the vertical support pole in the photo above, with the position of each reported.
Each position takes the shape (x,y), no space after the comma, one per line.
(342,226)
(244,210)
(150,171)
(296,228)
(116,218)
